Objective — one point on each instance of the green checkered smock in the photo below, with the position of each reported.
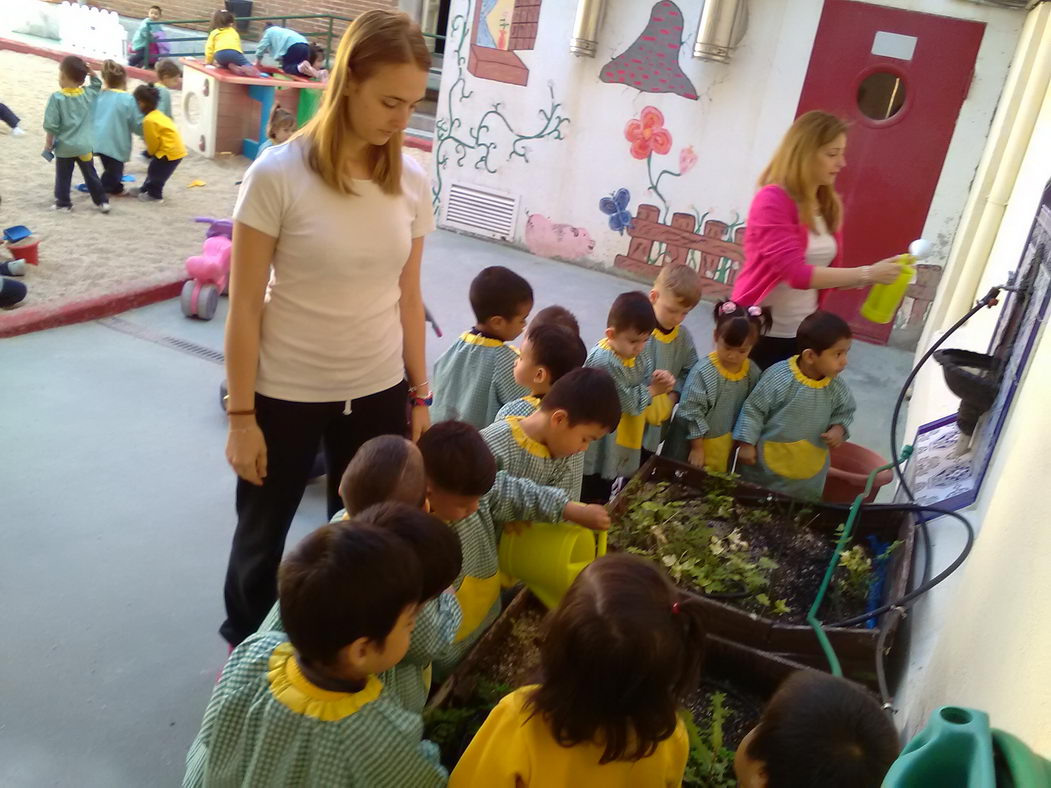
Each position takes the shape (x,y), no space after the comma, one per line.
(617,454)
(519,455)
(673,351)
(473,379)
(525,406)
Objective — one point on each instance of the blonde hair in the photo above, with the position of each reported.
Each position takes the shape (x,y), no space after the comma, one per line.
(114,75)
(682,282)
(792,167)
(279,119)
(376,38)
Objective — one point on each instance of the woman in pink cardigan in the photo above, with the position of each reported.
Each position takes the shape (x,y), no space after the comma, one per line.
(793,241)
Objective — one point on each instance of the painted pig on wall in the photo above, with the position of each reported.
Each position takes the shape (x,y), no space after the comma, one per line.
(548,239)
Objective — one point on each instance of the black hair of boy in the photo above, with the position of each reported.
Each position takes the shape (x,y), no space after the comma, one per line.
(343,582)
(820,331)
(437,546)
(588,395)
(499,292)
(457,459)
(632,311)
(74,69)
(383,469)
(147,97)
(822,731)
(557,316)
(556,349)
(155,6)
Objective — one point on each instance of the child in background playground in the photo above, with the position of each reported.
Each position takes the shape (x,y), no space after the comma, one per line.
(68,123)
(296,55)
(586,725)
(116,119)
(818,731)
(142,45)
(163,144)
(11,119)
(281,126)
(223,47)
(702,431)
(169,78)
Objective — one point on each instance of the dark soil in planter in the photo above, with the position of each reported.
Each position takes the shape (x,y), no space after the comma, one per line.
(743,705)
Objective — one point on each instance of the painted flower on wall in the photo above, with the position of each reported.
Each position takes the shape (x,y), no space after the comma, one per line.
(647,134)
(687,159)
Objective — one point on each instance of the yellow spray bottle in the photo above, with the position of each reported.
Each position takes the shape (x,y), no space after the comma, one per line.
(884,300)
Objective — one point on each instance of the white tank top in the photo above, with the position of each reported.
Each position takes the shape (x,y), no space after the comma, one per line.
(789,306)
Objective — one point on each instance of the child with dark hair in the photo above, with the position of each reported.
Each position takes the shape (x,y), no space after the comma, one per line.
(818,731)
(386,469)
(68,123)
(547,446)
(116,118)
(223,47)
(702,430)
(630,322)
(291,49)
(586,724)
(142,45)
(555,315)
(312,710)
(465,491)
(163,144)
(475,377)
(548,352)
(169,78)
(279,128)
(799,411)
(674,295)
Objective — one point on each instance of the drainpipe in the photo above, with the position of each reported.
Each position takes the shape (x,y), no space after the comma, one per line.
(715,31)
(584,42)
(1009,138)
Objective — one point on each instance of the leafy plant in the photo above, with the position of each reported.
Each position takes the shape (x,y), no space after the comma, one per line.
(710,764)
(855,574)
(452,728)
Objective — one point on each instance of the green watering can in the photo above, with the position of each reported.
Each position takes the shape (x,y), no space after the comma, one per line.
(957,749)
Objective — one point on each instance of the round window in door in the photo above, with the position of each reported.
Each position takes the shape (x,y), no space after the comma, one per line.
(881,95)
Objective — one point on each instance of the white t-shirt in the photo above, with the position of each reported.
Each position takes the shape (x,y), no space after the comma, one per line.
(789,306)
(331,330)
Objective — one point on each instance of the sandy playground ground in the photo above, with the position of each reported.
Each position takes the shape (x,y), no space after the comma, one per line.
(85,254)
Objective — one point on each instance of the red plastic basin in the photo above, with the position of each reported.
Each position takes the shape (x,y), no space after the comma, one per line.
(849,472)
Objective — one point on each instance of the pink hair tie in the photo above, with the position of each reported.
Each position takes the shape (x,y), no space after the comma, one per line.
(728,308)
(755,311)
(675,608)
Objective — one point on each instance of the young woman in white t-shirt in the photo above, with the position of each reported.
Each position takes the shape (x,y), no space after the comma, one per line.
(325,336)
(793,240)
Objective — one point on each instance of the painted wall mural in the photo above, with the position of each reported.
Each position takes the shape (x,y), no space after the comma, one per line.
(651,63)
(546,238)
(499,28)
(492,133)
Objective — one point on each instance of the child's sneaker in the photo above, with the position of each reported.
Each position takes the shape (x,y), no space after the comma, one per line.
(18,131)
(146,197)
(62,208)
(13,268)
(103,207)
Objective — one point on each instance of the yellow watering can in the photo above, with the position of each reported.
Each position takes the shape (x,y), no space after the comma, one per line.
(547,557)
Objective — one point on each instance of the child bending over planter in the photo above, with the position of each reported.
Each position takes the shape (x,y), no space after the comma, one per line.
(799,411)
(629,325)
(548,446)
(818,731)
(674,295)
(607,712)
(702,431)
(547,353)
(308,707)
(465,491)
(475,377)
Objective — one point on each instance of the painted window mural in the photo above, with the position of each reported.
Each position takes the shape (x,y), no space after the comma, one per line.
(501,27)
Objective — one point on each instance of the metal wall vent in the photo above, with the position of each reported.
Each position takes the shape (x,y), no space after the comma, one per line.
(485,212)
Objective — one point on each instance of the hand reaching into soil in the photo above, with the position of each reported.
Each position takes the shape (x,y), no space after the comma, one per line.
(589,515)
(834,436)
(747,455)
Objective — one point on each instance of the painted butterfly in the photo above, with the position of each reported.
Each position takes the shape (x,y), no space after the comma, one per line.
(616,208)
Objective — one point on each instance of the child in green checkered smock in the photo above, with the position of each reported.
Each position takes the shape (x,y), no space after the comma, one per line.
(475,377)
(799,411)
(702,431)
(312,712)
(549,351)
(674,295)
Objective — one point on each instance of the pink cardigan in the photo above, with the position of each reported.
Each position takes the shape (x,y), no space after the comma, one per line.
(775,248)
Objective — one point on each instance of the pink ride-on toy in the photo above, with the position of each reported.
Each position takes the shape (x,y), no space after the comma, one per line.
(209,271)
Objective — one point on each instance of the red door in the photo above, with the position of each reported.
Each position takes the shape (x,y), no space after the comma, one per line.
(899,77)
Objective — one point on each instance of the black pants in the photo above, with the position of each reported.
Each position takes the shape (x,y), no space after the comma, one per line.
(158,171)
(595,489)
(293,431)
(112,174)
(140,57)
(7,116)
(769,350)
(64,175)
(295,55)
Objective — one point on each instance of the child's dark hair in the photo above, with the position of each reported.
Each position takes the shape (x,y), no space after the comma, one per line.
(317,52)
(222,18)
(736,324)
(167,69)
(279,119)
(618,654)
(436,545)
(147,97)
(555,315)
(557,349)
(154,6)
(385,468)
(588,395)
(499,292)
(345,581)
(457,458)
(74,69)
(113,75)
(632,311)
(821,731)
(820,331)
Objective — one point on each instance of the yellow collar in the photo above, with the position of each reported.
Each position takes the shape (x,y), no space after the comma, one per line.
(534,447)
(72,91)
(793,364)
(604,344)
(533,401)
(115,90)
(668,338)
(478,339)
(739,375)
(295,692)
